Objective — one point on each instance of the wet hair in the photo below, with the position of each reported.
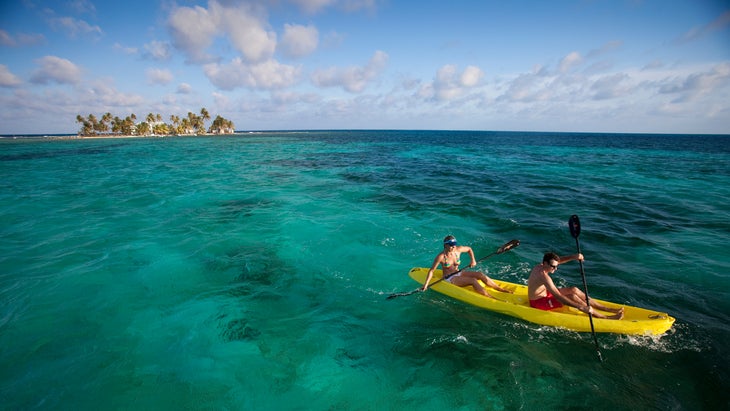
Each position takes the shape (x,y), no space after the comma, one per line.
(550,256)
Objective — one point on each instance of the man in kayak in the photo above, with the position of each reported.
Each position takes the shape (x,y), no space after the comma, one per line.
(450,259)
(544,295)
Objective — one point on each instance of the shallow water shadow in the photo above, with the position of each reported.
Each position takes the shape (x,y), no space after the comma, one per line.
(238,330)
(231,210)
(60,153)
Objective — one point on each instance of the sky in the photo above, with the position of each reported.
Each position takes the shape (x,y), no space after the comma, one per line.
(639,66)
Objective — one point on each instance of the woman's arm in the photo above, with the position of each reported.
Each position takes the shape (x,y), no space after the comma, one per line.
(436,262)
(467,249)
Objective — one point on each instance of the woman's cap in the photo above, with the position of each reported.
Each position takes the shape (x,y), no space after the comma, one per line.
(450,241)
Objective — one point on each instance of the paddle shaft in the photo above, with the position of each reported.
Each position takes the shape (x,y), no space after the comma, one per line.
(575,232)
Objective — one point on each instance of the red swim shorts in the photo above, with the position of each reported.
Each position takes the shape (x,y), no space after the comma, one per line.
(546,303)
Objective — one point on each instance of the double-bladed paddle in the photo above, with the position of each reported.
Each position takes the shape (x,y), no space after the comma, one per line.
(574,224)
(506,247)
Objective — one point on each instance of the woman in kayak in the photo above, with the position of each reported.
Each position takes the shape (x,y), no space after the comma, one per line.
(450,259)
(544,295)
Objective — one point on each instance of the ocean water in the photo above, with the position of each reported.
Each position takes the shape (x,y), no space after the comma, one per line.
(251,272)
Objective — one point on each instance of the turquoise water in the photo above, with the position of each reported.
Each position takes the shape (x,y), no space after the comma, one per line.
(251,272)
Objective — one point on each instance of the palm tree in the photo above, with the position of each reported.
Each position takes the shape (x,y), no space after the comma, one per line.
(175,120)
(94,123)
(196,124)
(86,128)
(128,125)
(161,129)
(100,126)
(143,129)
(185,126)
(106,120)
(116,125)
(221,126)
(205,116)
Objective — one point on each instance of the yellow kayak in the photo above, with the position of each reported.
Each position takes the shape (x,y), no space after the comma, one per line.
(636,321)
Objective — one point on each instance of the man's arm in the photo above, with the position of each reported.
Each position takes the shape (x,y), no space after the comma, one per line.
(571,257)
(550,285)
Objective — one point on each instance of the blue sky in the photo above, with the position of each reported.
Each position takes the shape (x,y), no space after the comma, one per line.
(583,65)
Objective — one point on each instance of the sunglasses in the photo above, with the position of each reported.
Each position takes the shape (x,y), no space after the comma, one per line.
(554,266)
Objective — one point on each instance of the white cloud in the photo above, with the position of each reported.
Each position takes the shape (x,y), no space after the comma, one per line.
(8,79)
(698,84)
(606,48)
(667,99)
(158,76)
(333,40)
(568,62)
(315,6)
(74,27)
(720,23)
(353,79)
(21,39)
(471,76)
(56,69)
(184,88)
(83,6)
(246,31)
(262,76)
(450,84)
(288,99)
(655,64)
(599,67)
(54,110)
(125,50)
(221,100)
(158,50)
(299,41)
(5,39)
(542,85)
(103,96)
(610,86)
(25,39)
(194,29)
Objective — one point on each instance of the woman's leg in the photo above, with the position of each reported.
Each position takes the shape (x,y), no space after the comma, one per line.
(485,279)
(470,278)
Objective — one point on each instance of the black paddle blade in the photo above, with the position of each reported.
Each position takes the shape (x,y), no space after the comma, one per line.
(390,297)
(510,245)
(574,224)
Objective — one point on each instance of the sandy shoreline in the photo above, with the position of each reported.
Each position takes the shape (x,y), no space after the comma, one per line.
(129,136)
(77,137)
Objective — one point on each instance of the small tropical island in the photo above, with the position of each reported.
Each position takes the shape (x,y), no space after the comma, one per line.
(153,125)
